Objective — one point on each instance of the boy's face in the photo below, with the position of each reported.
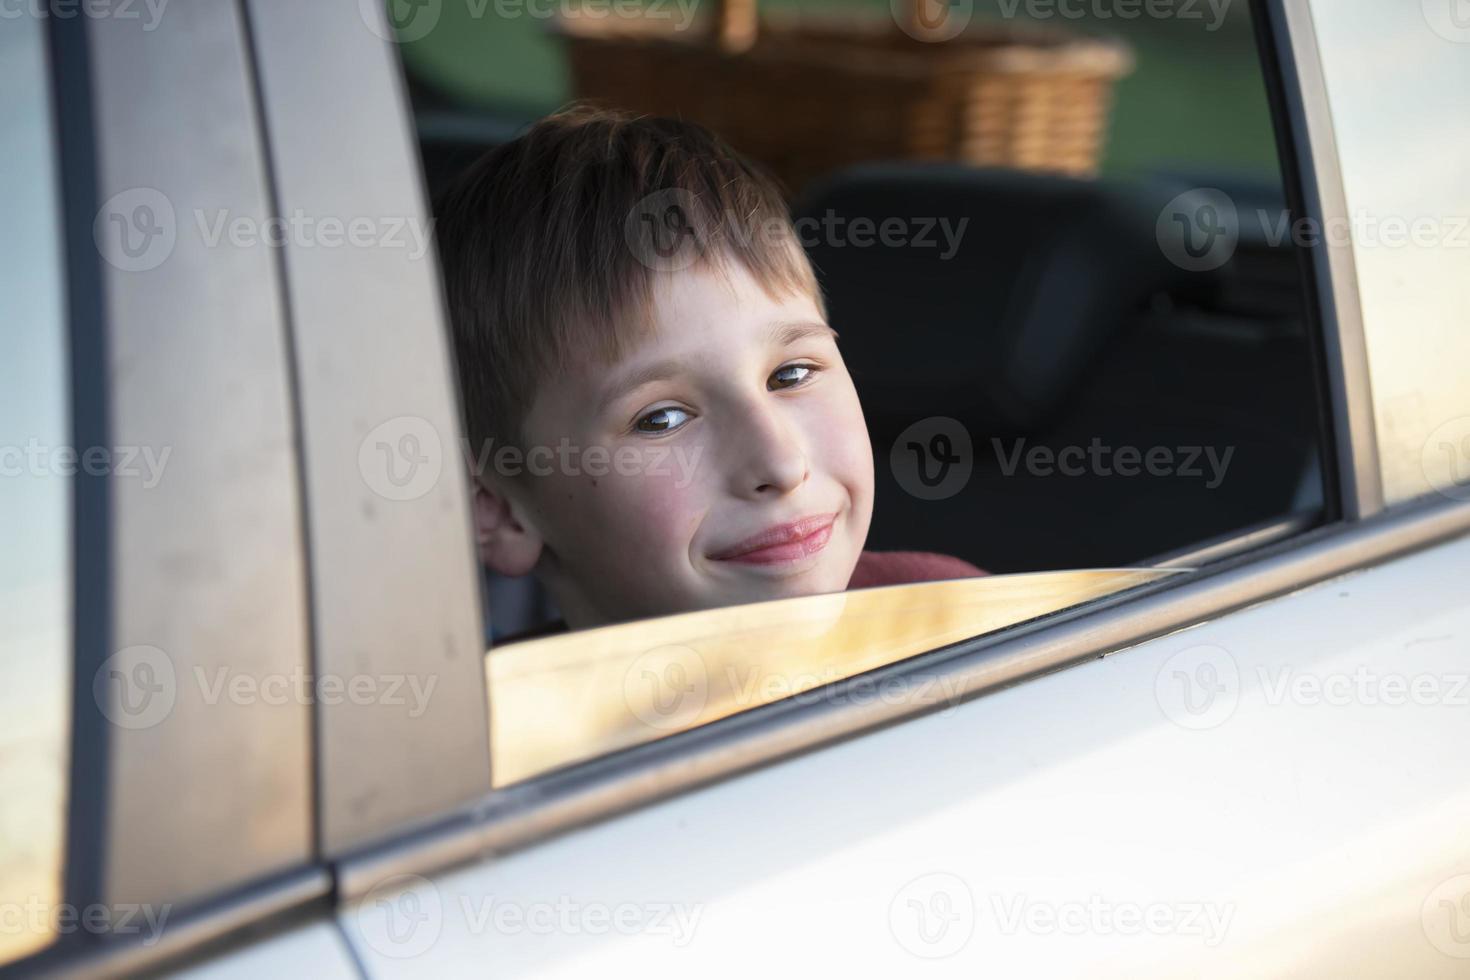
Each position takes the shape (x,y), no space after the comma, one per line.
(734,464)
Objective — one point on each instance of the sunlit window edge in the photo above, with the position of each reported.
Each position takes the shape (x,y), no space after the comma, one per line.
(564,699)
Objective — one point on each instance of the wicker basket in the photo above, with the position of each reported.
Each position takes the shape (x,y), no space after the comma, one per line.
(807,97)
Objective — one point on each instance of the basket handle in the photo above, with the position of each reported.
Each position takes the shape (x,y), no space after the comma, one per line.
(925,19)
(734,25)
(736,22)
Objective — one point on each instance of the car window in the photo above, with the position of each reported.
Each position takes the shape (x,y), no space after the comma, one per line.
(565,699)
(36,462)
(1408,224)
(1091,352)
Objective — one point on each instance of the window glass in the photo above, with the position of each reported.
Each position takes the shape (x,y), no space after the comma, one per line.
(35,501)
(1064,304)
(1397,74)
(569,698)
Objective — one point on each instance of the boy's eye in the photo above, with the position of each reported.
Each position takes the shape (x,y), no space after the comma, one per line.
(791,375)
(662,420)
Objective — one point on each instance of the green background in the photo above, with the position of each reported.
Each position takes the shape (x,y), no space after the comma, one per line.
(1194,102)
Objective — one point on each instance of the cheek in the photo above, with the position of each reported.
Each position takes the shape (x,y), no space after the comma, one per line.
(672,492)
(841,444)
(652,499)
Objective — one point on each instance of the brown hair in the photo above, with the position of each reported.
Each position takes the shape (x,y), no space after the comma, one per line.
(549,244)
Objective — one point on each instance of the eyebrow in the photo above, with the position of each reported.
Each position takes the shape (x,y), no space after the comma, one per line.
(657,371)
(789,332)
(781,333)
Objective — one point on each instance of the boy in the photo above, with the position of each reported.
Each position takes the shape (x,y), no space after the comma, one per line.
(659,417)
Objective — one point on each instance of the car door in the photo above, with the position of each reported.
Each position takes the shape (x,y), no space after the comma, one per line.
(1235,776)
(158,776)
(1247,767)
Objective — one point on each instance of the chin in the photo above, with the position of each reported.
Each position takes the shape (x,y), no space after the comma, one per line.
(831,576)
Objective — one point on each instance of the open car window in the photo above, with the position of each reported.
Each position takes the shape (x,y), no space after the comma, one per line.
(1080,371)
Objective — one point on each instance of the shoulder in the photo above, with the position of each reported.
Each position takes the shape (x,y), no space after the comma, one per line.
(899,567)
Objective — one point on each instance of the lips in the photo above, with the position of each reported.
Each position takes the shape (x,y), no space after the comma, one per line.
(783,542)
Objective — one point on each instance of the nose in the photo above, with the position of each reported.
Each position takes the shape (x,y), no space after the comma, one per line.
(769,457)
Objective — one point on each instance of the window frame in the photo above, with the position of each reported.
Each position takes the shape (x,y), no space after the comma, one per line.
(147,322)
(1299,95)
(1402,471)
(380,769)
(93,60)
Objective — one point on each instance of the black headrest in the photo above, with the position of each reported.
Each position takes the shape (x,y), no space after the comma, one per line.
(991,292)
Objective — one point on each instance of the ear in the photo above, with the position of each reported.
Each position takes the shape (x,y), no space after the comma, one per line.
(505,540)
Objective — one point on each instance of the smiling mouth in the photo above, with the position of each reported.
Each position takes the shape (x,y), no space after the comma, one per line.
(782,543)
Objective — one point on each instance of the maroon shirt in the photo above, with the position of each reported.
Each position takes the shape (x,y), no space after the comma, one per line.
(899,567)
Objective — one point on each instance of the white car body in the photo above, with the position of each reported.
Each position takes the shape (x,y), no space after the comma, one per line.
(1115,819)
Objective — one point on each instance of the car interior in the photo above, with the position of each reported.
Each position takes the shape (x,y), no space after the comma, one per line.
(1057,321)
